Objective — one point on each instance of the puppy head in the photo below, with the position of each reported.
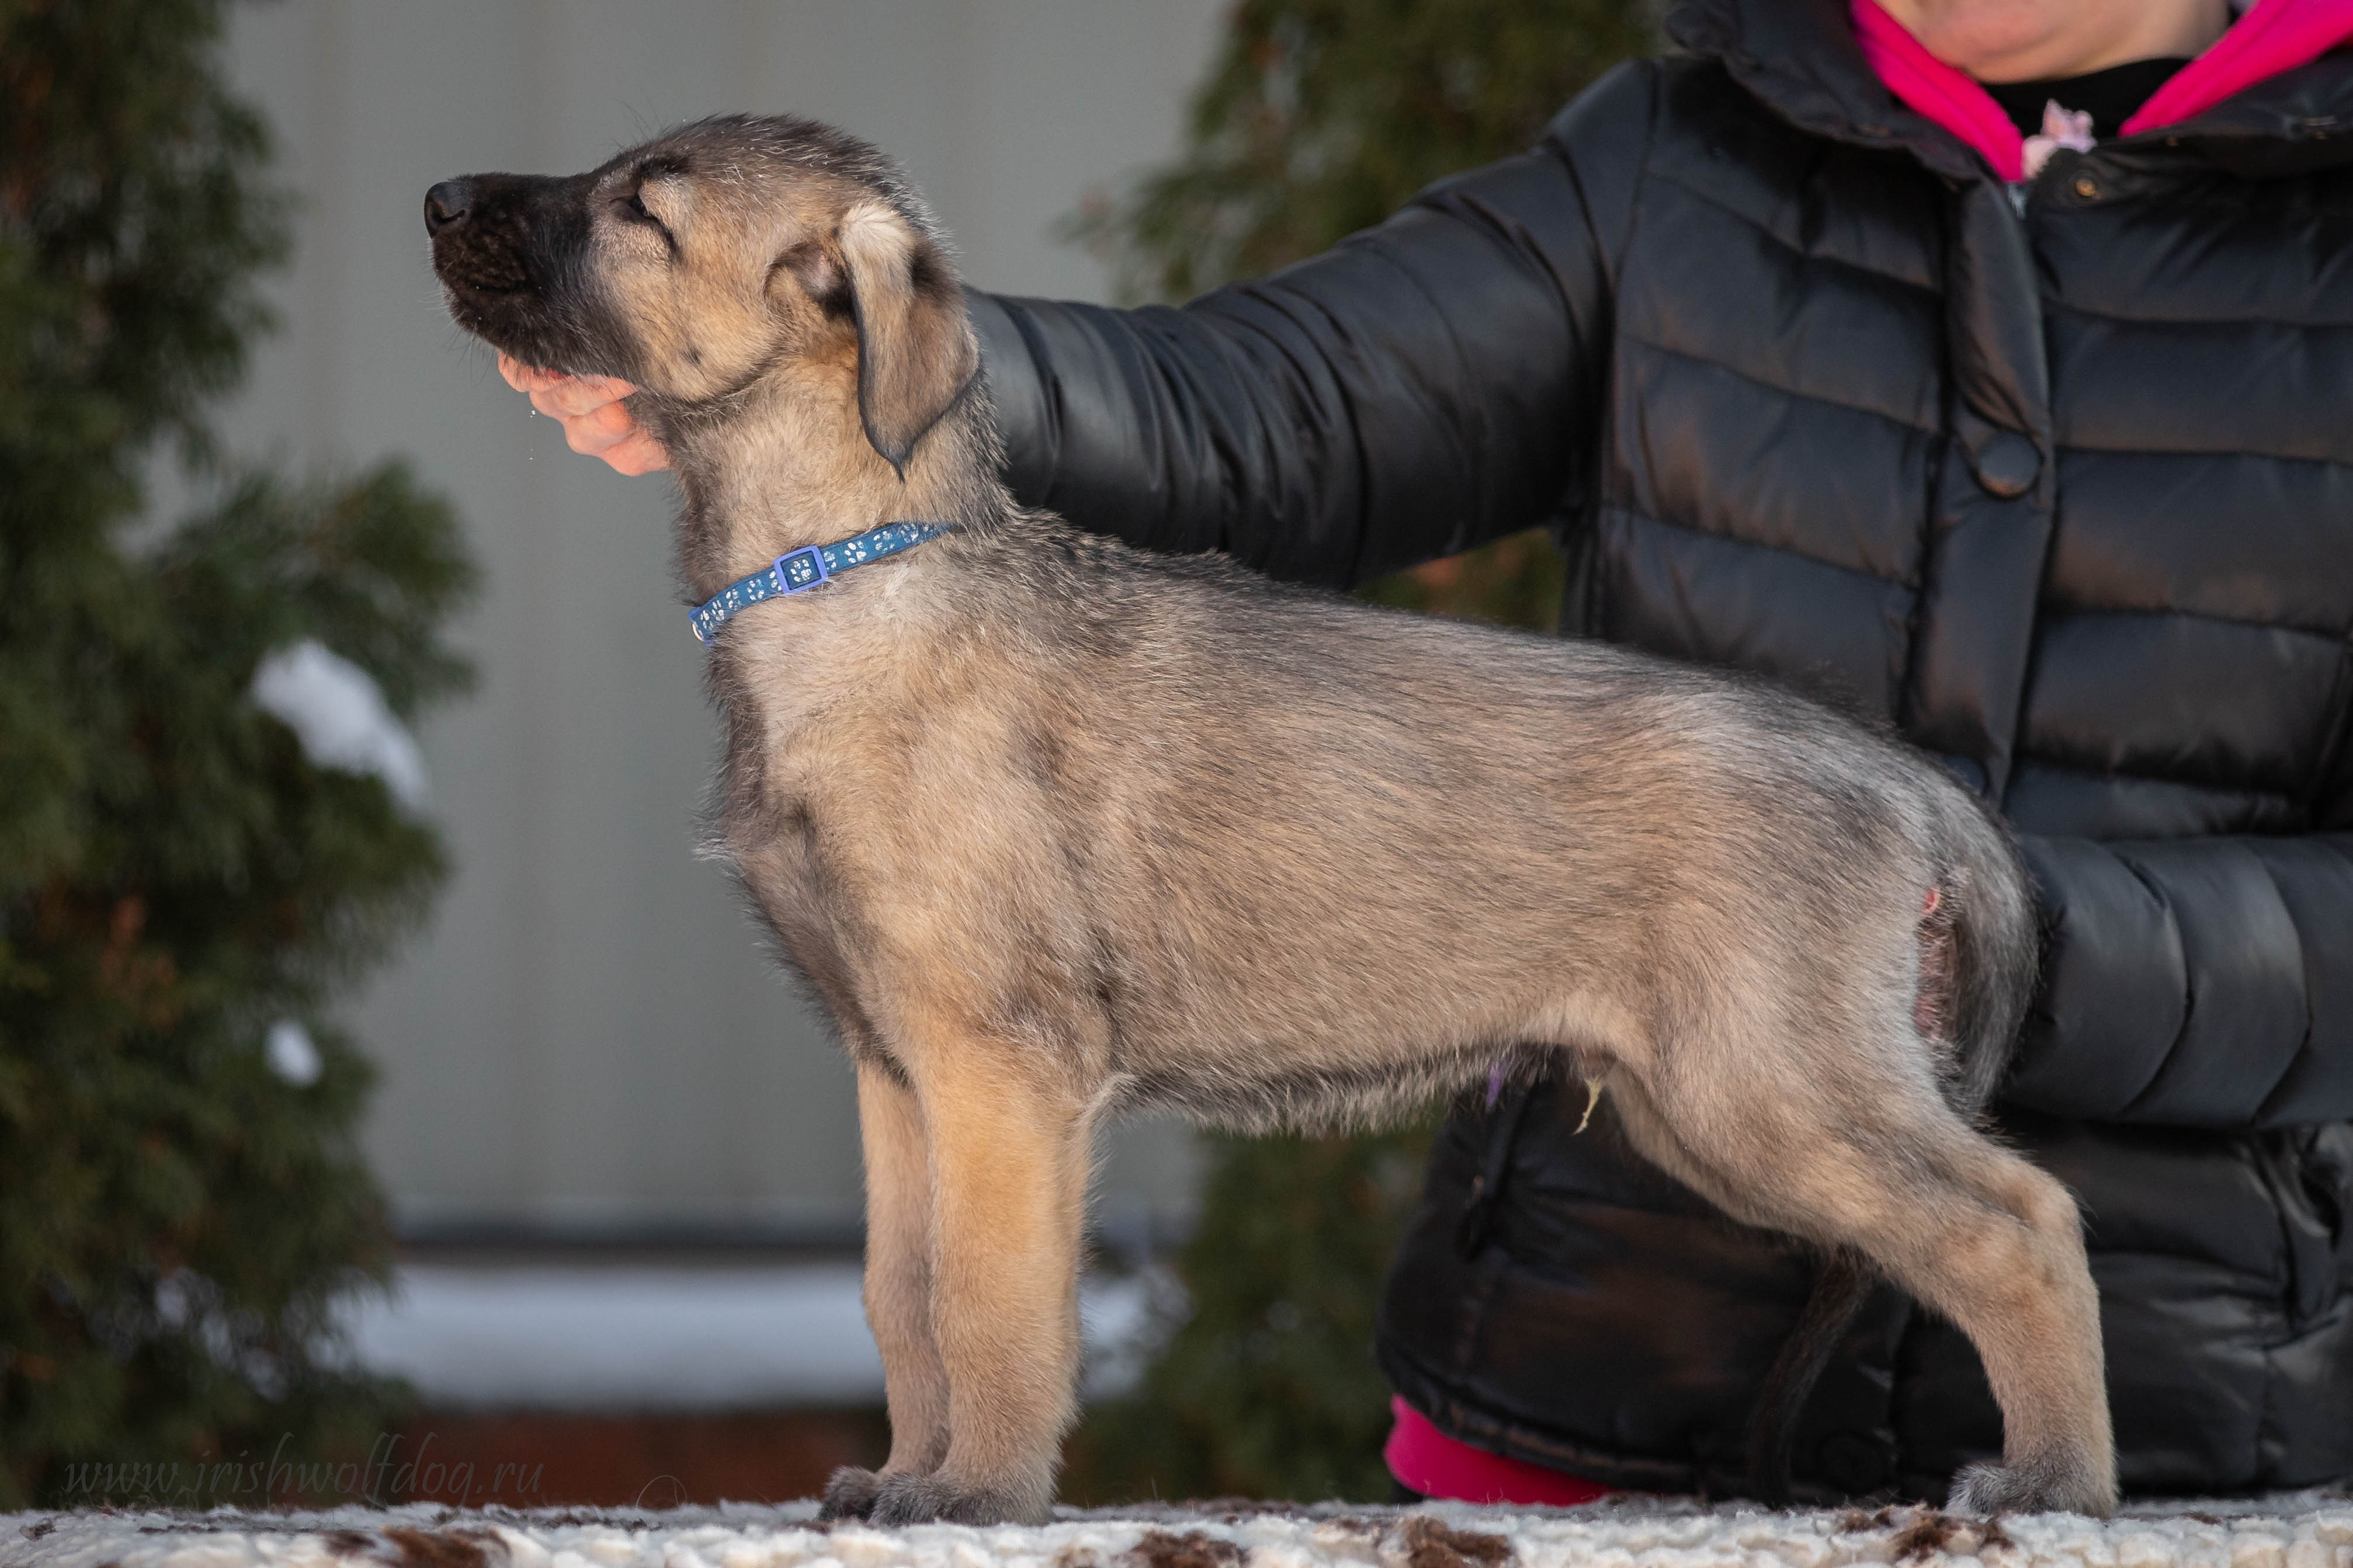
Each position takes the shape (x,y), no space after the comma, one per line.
(722,257)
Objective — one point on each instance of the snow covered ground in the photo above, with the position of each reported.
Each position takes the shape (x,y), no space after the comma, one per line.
(621,1337)
(2305,1531)
(649,1337)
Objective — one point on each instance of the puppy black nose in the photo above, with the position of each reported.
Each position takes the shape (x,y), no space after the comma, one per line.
(445,203)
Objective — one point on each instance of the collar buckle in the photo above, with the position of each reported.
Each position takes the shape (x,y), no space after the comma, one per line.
(798,570)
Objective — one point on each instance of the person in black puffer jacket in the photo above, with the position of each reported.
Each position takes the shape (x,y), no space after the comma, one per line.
(2054,476)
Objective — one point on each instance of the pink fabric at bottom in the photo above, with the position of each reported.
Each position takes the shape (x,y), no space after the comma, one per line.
(1428,1461)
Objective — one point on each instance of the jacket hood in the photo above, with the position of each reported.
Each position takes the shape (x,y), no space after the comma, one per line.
(2288,90)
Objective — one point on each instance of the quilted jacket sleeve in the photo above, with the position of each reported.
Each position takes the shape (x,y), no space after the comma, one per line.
(1422,387)
(2194,981)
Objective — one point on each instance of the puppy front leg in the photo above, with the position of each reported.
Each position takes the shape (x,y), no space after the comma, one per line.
(898,1290)
(1008,1159)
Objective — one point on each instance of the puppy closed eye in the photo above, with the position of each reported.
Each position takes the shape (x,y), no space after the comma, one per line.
(632,208)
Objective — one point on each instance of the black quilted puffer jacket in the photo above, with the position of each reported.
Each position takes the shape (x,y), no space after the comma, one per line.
(2061,488)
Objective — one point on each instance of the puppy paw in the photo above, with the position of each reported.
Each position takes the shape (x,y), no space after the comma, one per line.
(2035,1486)
(850,1493)
(937,1499)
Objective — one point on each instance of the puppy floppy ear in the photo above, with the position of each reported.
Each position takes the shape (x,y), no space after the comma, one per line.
(817,267)
(916,353)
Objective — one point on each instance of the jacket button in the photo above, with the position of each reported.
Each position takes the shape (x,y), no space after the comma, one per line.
(2086,187)
(2007,465)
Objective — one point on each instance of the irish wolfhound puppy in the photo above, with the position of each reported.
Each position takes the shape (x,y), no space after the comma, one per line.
(1055,826)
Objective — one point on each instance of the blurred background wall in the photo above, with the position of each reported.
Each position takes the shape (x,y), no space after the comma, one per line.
(591,1042)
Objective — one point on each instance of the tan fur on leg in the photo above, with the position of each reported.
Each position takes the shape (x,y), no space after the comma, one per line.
(1008,1155)
(898,1289)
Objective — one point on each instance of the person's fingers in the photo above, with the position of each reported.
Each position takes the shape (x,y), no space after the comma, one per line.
(580,394)
(607,425)
(589,409)
(639,454)
(611,387)
(527,378)
(574,394)
(563,395)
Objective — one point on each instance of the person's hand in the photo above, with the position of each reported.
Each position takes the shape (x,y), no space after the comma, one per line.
(589,408)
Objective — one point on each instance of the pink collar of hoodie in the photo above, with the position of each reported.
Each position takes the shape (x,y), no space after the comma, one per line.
(2273,37)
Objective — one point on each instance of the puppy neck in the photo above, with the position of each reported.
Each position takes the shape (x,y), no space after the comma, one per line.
(794,468)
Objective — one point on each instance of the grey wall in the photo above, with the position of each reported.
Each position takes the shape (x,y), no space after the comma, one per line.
(590,1033)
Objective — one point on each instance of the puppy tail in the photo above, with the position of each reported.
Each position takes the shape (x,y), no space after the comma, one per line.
(1988,924)
(1840,1291)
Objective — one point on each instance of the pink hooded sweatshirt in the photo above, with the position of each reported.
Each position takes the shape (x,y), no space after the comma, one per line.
(2274,35)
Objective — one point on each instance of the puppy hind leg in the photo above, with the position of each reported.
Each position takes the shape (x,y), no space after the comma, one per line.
(2058,1447)
(898,1291)
(1971,1230)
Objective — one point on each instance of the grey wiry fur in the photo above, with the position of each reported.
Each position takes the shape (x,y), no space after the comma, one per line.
(1055,826)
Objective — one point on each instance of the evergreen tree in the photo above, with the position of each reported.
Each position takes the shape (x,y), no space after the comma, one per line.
(1319,118)
(178,879)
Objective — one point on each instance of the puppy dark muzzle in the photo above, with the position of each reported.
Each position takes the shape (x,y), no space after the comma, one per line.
(508,250)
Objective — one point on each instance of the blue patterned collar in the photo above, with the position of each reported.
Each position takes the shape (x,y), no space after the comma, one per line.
(798,570)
